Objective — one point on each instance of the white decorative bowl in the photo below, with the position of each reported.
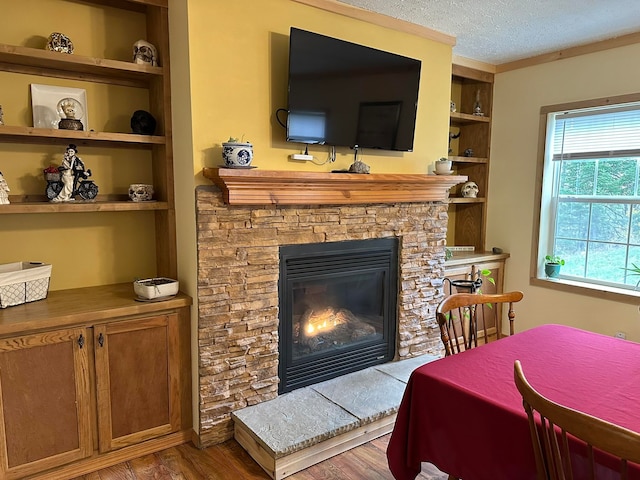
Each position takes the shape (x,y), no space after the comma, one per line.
(151,288)
(237,154)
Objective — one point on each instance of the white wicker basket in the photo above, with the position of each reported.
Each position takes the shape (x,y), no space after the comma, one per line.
(22,282)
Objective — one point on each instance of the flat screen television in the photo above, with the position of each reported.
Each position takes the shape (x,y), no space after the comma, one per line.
(345,94)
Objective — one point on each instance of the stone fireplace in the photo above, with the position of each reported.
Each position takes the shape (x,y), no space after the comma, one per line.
(239,269)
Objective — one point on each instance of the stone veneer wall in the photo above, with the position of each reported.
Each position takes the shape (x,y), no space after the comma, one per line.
(238,268)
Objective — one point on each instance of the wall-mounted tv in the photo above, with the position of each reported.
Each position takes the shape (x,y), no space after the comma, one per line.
(345,94)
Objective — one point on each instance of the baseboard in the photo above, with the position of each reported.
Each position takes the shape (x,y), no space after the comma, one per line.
(104,460)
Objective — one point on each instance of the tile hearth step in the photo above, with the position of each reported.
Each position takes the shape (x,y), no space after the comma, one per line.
(309,425)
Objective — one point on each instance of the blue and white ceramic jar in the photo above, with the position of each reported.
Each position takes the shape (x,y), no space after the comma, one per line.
(237,155)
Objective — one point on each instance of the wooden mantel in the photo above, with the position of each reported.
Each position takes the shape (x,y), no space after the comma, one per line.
(261,187)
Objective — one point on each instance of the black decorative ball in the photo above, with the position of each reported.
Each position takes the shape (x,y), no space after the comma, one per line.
(143,123)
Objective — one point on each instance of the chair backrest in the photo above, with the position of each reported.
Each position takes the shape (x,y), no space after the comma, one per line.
(463,316)
(559,430)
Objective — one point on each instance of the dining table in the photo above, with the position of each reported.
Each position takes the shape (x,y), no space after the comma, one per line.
(464,414)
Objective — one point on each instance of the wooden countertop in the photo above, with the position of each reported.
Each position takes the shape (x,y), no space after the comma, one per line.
(78,306)
(469,258)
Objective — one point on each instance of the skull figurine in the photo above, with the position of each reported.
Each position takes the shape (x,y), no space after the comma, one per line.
(469,190)
(145,53)
(59,42)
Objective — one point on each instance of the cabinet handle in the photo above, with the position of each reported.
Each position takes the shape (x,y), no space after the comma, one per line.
(81,341)
(101,340)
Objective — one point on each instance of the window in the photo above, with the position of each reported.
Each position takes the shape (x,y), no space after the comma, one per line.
(590,202)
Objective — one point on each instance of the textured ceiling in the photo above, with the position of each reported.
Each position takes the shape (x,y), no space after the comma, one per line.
(501,31)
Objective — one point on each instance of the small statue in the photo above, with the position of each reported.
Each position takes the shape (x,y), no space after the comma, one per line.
(469,190)
(468,152)
(73,179)
(70,111)
(359,166)
(145,53)
(4,188)
(1,116)
(143,123)
(452,107)
(59,42)
(477,106)
(452,136)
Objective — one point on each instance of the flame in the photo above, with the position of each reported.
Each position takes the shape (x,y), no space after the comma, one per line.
(321,322)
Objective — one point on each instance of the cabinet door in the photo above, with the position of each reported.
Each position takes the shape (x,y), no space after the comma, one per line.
(44,401)
(137,380)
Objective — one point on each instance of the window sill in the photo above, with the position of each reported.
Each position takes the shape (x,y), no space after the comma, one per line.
(589,289)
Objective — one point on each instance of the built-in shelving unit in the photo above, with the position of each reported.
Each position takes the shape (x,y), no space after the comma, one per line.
(118,367)
(151,79)
(468,215)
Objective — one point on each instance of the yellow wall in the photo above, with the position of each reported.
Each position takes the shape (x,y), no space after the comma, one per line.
(518,96)
(84,249)
(239,61)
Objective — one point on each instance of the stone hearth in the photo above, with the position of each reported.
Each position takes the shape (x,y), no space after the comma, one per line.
(238,268)
(309,425)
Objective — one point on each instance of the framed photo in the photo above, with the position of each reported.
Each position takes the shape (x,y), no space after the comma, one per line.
(44,103)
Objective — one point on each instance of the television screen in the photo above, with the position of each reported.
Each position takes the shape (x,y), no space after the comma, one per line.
(344,94)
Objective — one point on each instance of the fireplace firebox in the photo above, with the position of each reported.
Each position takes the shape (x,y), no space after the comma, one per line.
(338,305)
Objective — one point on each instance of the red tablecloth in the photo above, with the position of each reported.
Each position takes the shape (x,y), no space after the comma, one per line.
(464,414)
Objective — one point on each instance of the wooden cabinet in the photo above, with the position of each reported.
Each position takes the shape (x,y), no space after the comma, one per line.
(470,153)
(95,384)
(45,414)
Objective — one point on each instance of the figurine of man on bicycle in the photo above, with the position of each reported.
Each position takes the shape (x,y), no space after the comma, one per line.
(73,179)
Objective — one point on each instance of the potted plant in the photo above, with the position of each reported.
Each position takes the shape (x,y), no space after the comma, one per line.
(237,153)
(552,264)
(635,270)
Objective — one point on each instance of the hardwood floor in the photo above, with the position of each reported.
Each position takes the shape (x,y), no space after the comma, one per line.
(229,461)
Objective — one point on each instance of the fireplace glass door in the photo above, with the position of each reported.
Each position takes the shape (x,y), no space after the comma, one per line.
(337,309)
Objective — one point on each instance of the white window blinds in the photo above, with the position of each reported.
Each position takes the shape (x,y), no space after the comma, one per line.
(597,133)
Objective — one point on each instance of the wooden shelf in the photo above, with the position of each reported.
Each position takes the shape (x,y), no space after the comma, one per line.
(458,119)
(133,5)
(458,159)
(34,61)
(80,207)
(467,200)
(264,187)
(54,136)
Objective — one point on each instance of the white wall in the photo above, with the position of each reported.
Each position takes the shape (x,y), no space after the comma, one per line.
(518,96)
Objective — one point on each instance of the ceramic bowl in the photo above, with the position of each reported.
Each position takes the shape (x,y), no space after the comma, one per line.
(237,154)
(140,192)
(151,288)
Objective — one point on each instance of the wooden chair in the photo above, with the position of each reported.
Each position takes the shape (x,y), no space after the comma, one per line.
(463,316)
(556,424)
